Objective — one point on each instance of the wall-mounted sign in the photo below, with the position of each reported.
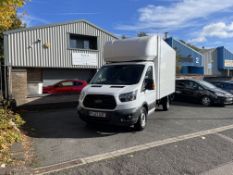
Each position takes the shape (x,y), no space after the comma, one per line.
(84,59)
(197,60)
(190,60)
(228,63)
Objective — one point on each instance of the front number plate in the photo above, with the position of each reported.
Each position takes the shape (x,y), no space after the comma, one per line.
(97,114)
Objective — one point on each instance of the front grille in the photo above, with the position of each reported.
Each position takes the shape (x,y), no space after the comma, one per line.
(100,101)
(117,86)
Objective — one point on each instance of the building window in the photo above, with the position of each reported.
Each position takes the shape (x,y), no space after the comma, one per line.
(83,42)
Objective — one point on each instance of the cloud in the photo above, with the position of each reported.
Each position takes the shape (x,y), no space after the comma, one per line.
(31,20)
(176,15)
(217,30)
(199,39)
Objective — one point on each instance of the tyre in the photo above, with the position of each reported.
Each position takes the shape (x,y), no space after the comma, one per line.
(142,120)
(205,101)
(172,98)
(166,104)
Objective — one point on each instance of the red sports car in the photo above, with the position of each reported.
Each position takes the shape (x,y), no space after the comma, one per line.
(67,86)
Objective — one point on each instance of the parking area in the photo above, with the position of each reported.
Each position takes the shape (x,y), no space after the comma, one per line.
(59,135)
(209,156)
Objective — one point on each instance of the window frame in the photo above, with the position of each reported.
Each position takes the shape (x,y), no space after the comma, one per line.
(149,68)
(71,48)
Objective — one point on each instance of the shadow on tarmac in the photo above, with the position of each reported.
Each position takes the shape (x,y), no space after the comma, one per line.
(65,123)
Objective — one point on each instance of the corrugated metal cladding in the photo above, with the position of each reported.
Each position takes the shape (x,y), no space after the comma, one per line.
(190,57)
(25,48)
(224,54)
(210,62)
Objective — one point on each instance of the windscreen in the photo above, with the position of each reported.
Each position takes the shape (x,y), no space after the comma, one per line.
(119,74)
(208,85)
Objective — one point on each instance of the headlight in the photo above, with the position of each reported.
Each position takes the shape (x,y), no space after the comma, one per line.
(219,94)
(128,96)
(82,95)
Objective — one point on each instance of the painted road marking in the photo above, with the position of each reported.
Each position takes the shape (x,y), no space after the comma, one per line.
(133,149)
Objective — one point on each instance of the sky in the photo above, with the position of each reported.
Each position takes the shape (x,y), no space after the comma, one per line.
(207,23)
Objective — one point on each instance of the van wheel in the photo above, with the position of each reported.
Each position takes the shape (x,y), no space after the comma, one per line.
(166,104)
(142,120)
(205,101)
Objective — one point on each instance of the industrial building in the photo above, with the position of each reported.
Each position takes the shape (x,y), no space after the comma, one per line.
(41,56)
(189,60)
(218,61)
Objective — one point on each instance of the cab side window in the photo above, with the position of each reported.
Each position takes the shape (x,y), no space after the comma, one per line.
(149,73)
(148,80)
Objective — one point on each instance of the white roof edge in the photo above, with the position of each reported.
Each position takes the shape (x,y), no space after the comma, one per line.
(57,24)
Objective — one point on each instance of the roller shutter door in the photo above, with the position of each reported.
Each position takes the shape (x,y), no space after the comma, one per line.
(52,76)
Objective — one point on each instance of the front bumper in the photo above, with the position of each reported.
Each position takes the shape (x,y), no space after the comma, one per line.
(228,100)
(126,117)
(224,100)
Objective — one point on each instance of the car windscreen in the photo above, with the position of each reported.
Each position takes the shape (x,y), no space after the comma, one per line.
(127,74)
(206,84)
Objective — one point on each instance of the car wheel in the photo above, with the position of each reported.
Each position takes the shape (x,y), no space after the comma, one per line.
(172,98)
(142,120)
(166,104)
(205,101)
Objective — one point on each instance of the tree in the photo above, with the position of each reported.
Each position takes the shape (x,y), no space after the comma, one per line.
(8,12)
(141,34)
(8,18)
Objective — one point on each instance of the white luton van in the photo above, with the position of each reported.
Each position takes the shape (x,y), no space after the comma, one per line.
(138,76)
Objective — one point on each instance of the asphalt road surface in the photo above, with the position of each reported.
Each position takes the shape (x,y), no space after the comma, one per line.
(59,136)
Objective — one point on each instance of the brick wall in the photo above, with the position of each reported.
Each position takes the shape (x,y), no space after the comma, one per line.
(19,85)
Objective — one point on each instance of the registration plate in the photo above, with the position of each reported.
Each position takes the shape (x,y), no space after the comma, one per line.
(97,114)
